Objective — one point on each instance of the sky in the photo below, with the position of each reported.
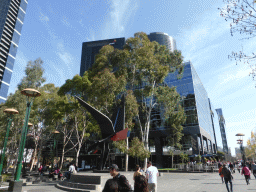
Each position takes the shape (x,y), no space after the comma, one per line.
(55,31)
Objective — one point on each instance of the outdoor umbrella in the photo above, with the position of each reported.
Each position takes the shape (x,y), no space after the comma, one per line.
(195,155)
(206,155)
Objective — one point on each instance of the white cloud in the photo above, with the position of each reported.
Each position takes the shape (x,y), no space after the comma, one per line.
(65,58)
(43,18)
(120,14)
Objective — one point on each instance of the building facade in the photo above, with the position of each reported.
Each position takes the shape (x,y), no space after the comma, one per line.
(222,130)
(163,39)
(12,14)
(92,48)
(199,128)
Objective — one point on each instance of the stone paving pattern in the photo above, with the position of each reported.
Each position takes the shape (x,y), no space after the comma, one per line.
(181,182)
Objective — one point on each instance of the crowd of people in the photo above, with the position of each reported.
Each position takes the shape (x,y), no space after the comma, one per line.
(226,171)
(147,183)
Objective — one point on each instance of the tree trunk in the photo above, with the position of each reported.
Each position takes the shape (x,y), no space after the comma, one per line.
(34,158)
(77,155)
(126,155)
(39,154)
(172,160)
(62,157)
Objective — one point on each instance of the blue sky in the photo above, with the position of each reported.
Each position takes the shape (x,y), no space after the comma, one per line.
(55,31)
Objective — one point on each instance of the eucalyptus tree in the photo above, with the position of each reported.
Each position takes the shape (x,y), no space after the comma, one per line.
(144,65)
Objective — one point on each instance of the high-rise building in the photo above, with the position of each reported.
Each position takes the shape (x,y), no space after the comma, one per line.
(199,127)
(12,14)
(92,48)
(163,39)
(222,130)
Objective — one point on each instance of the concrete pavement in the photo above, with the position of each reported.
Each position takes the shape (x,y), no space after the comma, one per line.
(181,182)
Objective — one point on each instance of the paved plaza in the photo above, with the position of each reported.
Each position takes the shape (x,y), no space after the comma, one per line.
(184,182)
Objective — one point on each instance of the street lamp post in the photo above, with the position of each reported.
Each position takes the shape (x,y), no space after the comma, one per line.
(26,153)
(30,95)
(240,142)
(11,112)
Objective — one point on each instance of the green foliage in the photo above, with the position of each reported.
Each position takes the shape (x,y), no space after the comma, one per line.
(184,157)
(220,153)
(137,149)
(169,102)
(198,158)
(34,75)
(121,146)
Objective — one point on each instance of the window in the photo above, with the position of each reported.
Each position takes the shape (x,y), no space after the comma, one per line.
(13,50)
(10,62)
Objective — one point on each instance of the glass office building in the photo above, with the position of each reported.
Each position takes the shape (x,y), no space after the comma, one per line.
(92,48)
(198,128)
(222,130)
(163,39)
(12,14)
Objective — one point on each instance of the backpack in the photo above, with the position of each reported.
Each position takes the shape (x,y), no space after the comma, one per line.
(226,172)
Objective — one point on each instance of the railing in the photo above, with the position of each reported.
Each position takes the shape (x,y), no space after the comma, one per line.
(196,167)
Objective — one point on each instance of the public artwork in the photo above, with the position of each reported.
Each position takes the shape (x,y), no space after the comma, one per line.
(110,129)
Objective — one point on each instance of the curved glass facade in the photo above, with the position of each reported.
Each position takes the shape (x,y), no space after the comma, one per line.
(163,39)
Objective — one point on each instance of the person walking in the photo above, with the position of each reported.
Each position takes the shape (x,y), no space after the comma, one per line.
(137,172)
(221,175)
(151,176)
(141,184)
(247,174)
(123,183)
(231,166)
(227,177)
(239,167)
(254,170)
(71,170)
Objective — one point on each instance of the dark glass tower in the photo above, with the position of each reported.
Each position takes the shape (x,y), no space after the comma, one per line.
(222,130)
(12,14)
(92,48)
(198,128)
(163,39)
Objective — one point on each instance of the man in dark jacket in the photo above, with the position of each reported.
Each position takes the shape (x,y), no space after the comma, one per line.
(123,183)
(227,177)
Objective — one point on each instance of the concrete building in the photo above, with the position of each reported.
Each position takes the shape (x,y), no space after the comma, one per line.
(12,14)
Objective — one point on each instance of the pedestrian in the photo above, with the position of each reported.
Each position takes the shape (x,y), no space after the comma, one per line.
(151,175)
(239,167)
(40,170)
(247,174)
(141,184)
(123,183)
(137,172)
(220,174)
(227,177)
(254,170)
(111,186)
(231,166)
(70,171)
